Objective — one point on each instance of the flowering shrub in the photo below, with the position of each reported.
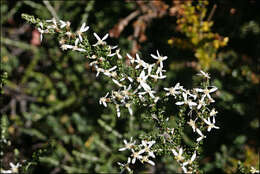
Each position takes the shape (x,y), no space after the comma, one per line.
(58,117)
(135,87)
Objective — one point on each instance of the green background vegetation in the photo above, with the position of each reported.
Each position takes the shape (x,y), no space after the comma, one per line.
(49,105)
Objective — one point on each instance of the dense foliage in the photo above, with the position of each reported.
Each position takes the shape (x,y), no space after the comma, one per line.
(51,120)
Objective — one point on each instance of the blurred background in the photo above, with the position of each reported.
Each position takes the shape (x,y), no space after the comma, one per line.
(49,103)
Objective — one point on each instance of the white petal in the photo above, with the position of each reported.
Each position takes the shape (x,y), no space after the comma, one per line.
(151,162)
(174,152)
(154,56)
(96,36)
(213,89)
(179,103)
(105,37)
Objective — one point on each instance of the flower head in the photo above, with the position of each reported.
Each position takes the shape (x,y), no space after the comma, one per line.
(201,135)
(128,145)
(210,124)
(204,74)
(178,156)
(100,41)
(174,90)
(159,58)
(136,155)
(207,92)
(14,168)
(186,101)
(82,29)
(103,100)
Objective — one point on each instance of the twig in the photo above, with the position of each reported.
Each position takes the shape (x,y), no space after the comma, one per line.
(118,28)
(13,106)
(18,44)
(212,12)
(51,9)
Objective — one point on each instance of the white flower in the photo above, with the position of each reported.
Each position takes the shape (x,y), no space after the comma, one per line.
(192,124)
(137,155)
(201,135)
(117,83)
(207,92)
(126,92)
(69,34)
(65,46)
(147,145)
(159,58)
(186,101)
(173,90)
(75,47)
(149,92)
(146,159)
(202,73)
(128,145)
(41,31)
(53,20)
(140,62)
(132,60)
(100,41)
(82,29)
(103,100)
(117,95)
(156,77)
(178,156)
(142,80)
(210,124)
(112,47)
(14,168)
(150,67)
(130,110)
(201,103)
(126,166)
(64,24)
(194,96)
(160,71)
(6,171)
(213,112)
(108,72)
(116,53)
(253,170)
(98,70)
(191,160)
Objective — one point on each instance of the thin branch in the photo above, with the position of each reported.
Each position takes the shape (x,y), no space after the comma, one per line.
(212,12)
(118,28)
(51,9)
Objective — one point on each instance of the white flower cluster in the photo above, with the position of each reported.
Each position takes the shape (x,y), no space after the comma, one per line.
(181,160)
(124,96)
(253,170)
(197,100)
(141,152)
(14,168)
(135,82)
